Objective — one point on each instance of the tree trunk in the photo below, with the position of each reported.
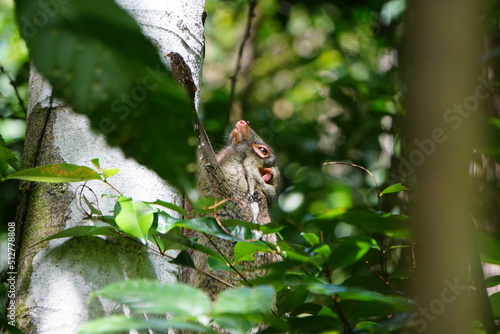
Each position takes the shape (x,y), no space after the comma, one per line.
(54,278)
(445,93)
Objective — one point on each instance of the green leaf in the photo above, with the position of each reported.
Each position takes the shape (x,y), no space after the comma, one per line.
(56,173)
(272,227)
(370,326)
(205,204)
(489,246)
(396,226)
(348,293)
(290,299)
(158,298)
(348,253)
(239,230)
(218,263)
(245,300)
(96,58)
(119,323)
(492,281)
(96,163)
(495,304)
(134,218)
(311,238)
(165,222)
(293,252)
(90,205)
(81,231)
(394,189)
(206,225)
(170,206)
(182,242)
(7,158)
(108,172)
(184,259)
(320,255)
(243,230)
(244,251)
(236,324)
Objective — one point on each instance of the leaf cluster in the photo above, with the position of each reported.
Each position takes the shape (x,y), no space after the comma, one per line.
(323,282)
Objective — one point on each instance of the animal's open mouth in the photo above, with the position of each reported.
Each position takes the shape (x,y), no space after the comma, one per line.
(266,175)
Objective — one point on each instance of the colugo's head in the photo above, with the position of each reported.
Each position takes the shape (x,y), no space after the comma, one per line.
(258,157)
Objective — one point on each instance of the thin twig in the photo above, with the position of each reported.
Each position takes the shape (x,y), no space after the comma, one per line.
(384,279)
(16,91)
(113,187)
(234,78)
(215,278)
(343,319)
(217,219)
(226,259)
(379,194)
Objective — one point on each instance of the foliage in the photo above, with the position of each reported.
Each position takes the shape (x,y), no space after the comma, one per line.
(321,84)
(310,290)
(13,91)
(93,67)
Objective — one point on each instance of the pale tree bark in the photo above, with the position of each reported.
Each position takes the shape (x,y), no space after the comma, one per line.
(54,278)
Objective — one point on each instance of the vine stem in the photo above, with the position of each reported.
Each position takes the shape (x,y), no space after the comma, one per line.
(343,319)
(16,91)
(234,78)
(112,187)
(226,259)
(379,194)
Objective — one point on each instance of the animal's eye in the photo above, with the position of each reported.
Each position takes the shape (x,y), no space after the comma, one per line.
(262,151)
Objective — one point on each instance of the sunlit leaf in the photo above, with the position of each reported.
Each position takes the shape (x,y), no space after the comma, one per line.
(348,253)
(394,189)
(165,222)
(108,172)
(96,163)
(56,173)
(134,217)
(311,238)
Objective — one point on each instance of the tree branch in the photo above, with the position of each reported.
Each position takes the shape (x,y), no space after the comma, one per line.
(234,78)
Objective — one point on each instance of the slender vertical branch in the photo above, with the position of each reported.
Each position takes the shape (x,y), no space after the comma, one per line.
(16,91)
(234,78)
(343,319)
